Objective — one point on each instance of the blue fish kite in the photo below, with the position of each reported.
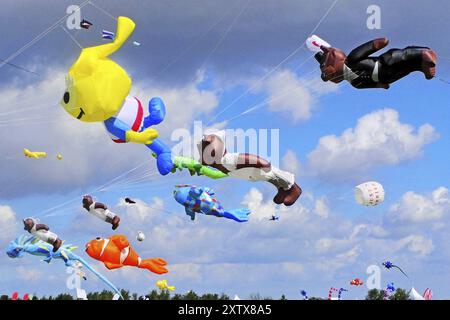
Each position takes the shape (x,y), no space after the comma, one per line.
(202,200)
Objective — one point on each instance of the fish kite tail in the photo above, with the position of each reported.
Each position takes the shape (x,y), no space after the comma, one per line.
(400,269)
(99,275)
(155,265)
(239,215)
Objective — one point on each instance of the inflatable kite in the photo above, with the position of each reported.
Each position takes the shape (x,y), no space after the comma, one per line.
(202,200)
(97,90)
(330,293)
(34,154)
(162,285)
(363,70)
(140,236)
(248,167)
(304,294)
(101,211)
(42,232)
(85,24)
(389,265)
(390,289)
(428,294)
(369,193)
(340,293)
(116,252)
(356,282)
(32,245)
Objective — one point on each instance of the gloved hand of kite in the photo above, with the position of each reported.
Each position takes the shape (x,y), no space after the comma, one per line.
(143,137)
(196,168)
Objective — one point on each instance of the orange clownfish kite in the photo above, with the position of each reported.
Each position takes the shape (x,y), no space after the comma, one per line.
(116,252)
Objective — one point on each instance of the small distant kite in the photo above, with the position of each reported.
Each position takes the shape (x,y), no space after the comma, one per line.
(389,265)
(59,156)
(304,295)
(34,154)
(330,293)
(428,294)
(100,211)
(129,201)
(108,35)
(274,218)
(340,292)
(140,236)
(162,285)
(356,282)
(85,24)
(137,44)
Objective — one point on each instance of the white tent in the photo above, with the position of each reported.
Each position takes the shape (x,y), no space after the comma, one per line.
(414,295)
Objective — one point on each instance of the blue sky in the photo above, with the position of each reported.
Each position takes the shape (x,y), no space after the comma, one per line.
(331,136)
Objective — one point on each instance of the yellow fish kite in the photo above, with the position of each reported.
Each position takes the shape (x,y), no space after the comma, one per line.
(34,154)
(162,284)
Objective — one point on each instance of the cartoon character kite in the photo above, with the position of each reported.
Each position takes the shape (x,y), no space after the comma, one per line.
(98,90)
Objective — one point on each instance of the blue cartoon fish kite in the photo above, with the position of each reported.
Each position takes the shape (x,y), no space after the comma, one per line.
(202,200)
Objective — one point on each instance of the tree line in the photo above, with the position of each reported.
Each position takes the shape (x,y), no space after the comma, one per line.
(373,294)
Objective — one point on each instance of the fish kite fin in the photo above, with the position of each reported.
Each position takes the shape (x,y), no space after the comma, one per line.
(120,241)
(112,266)
(190,213)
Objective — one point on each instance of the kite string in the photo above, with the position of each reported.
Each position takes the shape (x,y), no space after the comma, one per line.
(193,43)
(71,37)
(40,36)
(267,74)
(223,37)
(102,10)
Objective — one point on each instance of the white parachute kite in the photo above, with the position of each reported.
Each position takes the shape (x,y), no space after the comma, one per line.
(369,193)
(314,43)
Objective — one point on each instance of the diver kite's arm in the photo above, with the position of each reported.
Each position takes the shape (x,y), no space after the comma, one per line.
(366,49)
(246,160)
(41,226)
(159,147)
(125,27)
(122,131)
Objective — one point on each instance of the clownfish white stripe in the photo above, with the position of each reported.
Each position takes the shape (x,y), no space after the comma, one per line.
(124,254)
(105,243)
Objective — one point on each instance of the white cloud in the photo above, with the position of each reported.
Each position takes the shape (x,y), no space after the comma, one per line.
(294,96)
(290,162)
(379,138)
(8,224)
(416,244)
(321,208)
(414,207)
